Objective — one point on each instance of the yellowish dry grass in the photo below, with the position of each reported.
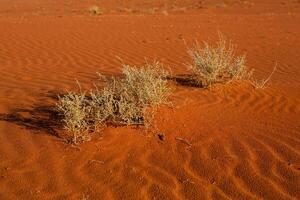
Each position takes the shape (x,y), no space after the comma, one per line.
(217,63)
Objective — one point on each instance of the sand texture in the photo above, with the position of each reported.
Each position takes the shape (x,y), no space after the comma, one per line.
(228,142)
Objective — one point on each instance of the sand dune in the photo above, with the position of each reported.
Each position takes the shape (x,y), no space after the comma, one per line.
(229,142)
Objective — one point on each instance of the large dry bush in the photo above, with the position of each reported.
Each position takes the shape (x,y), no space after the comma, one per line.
(124,100)
(217,63)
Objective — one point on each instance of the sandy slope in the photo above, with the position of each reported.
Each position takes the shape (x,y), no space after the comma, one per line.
(244,143)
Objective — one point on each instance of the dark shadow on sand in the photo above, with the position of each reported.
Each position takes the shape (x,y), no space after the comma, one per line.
(185,80)
(40,118)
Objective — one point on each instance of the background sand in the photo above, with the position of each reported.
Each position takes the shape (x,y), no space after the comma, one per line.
(245,142)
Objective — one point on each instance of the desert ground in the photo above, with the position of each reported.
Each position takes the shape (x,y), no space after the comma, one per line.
(231,141)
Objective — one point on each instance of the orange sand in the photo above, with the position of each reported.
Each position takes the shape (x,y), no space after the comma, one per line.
(245,143)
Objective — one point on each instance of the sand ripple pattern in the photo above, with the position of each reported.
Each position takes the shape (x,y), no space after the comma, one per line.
(245,143)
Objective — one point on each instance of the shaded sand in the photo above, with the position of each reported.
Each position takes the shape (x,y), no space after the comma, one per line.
(230,142)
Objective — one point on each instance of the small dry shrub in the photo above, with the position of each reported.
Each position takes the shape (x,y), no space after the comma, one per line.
(125,100)
(148,85)
(74,109)
(113,105)
(95,10)
(217,63)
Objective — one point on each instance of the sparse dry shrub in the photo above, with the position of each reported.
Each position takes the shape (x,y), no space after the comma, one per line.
(217,63)
(148,84)
(113,105)
(95,10)
(125,100)
(74,109)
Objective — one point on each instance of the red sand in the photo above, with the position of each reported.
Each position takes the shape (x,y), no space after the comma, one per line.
(245,143)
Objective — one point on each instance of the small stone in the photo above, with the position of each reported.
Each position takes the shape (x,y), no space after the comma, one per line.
(161,136)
